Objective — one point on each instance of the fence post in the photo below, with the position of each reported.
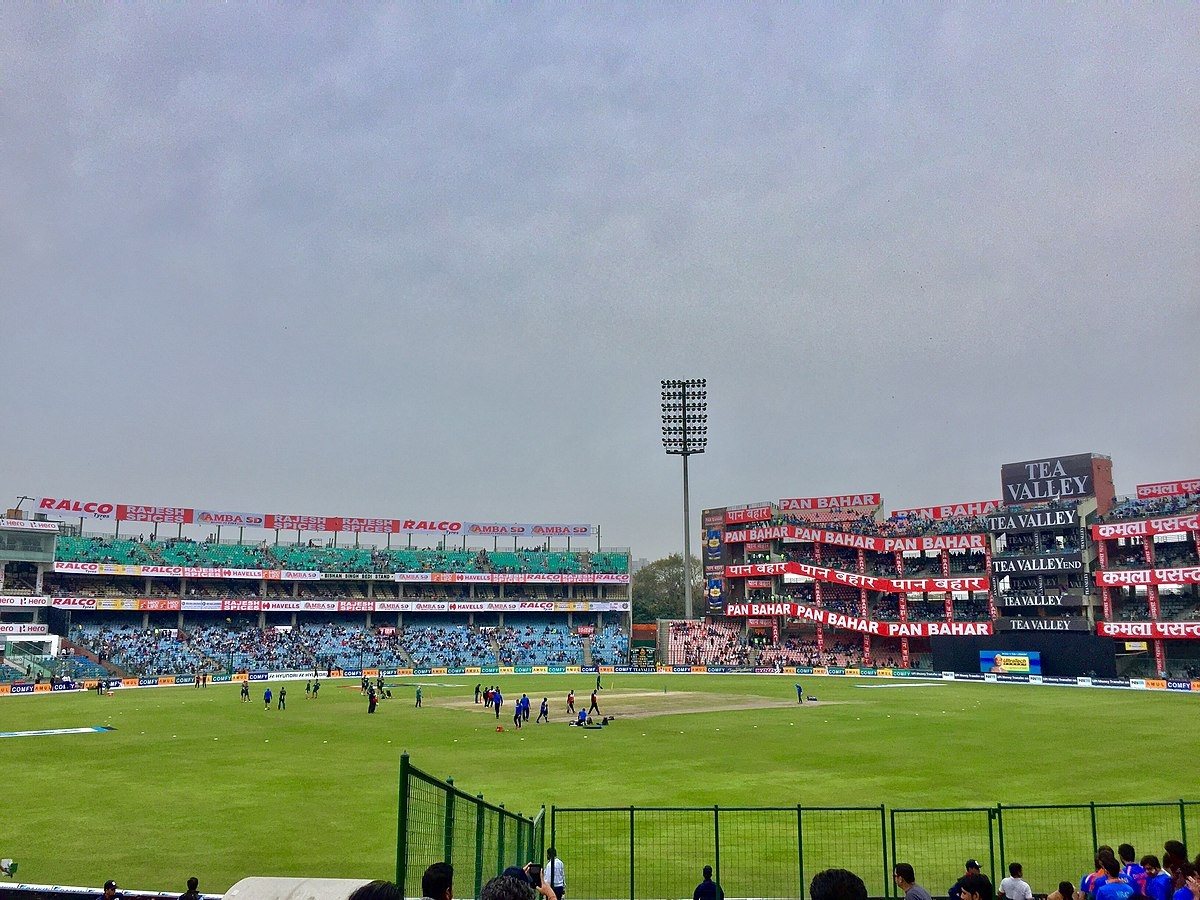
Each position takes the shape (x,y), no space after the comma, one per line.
(500,863)
(717,841)
(402,824)
(992,845)
(541,836)
(887,879)
(1182,822)
(1000,831)
(448,842)
(631,861)
(479,835)
(891,882)
(800,846)
(1095,835)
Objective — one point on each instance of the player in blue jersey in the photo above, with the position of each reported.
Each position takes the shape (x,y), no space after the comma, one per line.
(1158,882)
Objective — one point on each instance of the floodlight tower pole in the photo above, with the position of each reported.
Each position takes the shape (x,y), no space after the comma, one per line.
(684,432)
(687,543)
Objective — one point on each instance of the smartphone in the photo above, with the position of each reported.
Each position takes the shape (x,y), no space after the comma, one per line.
(535,873)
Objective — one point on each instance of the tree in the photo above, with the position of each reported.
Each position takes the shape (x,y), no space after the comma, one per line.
(658,589)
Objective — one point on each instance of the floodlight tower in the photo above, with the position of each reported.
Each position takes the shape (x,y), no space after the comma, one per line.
(685,432)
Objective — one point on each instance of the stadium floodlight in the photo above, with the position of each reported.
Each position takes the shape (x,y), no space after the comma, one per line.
(685,432)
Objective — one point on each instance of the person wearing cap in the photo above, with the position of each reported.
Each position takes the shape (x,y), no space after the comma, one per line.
(110,890)
(972,868)
(708,889)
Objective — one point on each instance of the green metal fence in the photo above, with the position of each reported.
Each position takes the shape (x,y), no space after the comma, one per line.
(765,852)
(437,822)
(773,852)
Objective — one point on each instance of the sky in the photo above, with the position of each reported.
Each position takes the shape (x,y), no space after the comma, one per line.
(433,260)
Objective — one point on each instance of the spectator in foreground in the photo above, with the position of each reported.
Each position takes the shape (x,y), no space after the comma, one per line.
(515,884)
(1066,891)
(192,892)
(708,889)
(906,880)
(1015,887)
(971,868)
(976,887)
(838,884)
(377,890)
(110,890)
(438,882)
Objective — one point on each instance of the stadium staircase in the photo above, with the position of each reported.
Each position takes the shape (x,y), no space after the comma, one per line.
(587,653)
(90,664)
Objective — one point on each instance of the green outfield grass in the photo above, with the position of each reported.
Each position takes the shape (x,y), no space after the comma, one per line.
(193,781)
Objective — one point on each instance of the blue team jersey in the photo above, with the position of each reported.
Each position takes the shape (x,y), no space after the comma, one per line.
(1119,888)
(1159,887)
(1137,875)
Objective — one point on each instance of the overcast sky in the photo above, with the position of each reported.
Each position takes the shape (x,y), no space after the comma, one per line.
(432,260)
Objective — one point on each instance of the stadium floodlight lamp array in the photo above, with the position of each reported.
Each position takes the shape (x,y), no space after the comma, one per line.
(684,433)
(685,416)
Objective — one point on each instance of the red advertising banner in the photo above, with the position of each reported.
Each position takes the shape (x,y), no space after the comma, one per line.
(1168,489)
(1127,577)
(158,604)
(1137,631)
(842,501)
(821,616)
(749,514)
(1144,527)
(172,514)
(253,604)
(91,568)
(371,526)
(86,507)
(298,605)
(241,605)
(949,510)
(859,541)
(282,522)
(870,582)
